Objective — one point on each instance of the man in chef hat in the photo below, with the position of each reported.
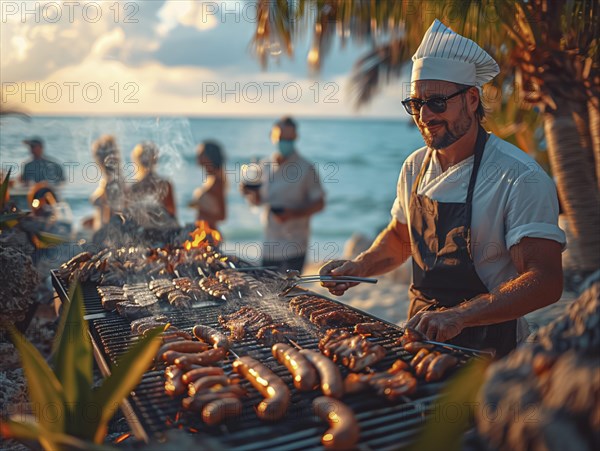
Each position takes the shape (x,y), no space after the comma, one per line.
(478,216)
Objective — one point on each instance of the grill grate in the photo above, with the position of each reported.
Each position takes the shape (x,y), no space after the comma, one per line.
(384,425)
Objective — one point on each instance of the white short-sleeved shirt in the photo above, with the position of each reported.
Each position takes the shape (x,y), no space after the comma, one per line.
(514,198)
(294,184)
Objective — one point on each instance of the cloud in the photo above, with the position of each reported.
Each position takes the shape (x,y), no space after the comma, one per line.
(168,58)
(195,14)
(107,42)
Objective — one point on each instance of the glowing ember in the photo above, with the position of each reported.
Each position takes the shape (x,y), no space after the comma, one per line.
(202,237)
(123,437)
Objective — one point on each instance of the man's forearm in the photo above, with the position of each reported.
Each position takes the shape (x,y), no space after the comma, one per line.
(389,250)
(511,300)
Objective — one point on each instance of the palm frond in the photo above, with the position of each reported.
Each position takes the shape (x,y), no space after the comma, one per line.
(379,66)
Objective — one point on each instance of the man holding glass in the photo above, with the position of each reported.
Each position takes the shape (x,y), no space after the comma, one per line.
(291,192)
(478,215)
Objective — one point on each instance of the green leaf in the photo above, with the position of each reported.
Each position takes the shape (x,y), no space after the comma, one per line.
(20,430)
(453,413)
(45,390)
(73,365)
(125,375)
(4,189)
(50,239)
(29,431)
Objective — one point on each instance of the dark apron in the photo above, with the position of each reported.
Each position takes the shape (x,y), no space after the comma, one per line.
(443,270)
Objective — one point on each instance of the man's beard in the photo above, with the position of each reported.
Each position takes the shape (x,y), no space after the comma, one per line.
(448,135)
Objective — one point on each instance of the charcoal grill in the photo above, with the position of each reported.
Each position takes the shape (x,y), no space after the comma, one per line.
(150,412)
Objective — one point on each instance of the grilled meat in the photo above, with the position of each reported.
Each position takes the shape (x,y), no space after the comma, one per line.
(329,373)
(439,366)
(214,288)
(411,335)
(304,373)
(140,326)
(371,328)
(131,310)
(179,300)
(110,296)
(343,432)
(353,351)
(213,394)
(250,321)
(238,281)
(275,333)
(210,335)
(323,312)
(393,383)
(188,287)
(276,393)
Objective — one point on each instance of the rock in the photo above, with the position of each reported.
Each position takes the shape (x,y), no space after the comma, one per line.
(18,281)
(546,395)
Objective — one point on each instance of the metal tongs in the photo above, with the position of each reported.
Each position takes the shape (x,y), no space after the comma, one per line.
(475,352)
(293,278)
(450,347)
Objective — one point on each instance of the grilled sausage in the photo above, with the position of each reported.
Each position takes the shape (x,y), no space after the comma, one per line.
(439,366)
(276,393)
(415,346)
(397,366)
(205,358)
(174,385)
(404,384)
(305,375)
(181,346)
(210,335)
(343,432)
(197,402)
(201,384)
(411,335)
(355,382)
(174,335)
(196,373)
(332,383)
(420,356)
(216,411)
(422,366)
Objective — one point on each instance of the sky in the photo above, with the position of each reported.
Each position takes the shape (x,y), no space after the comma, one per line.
(182,58)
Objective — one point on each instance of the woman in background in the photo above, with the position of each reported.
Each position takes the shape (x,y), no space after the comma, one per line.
(209,199)
(151,199)
(109,197)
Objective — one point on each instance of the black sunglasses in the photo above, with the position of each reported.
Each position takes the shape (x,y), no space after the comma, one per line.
(435,104)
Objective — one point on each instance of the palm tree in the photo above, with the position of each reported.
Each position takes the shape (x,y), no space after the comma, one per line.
(548,52)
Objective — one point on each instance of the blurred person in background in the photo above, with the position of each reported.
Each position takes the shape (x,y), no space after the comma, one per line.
(49,228)
(151,202)
(40,169)
(291,192)
(109,198)
(209,199)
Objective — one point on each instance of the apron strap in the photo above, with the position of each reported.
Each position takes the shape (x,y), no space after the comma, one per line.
(479,147)
(421,172)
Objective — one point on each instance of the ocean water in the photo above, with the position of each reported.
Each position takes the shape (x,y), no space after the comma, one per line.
(358,162)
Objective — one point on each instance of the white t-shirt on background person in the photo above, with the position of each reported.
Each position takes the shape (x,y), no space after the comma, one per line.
(294,184)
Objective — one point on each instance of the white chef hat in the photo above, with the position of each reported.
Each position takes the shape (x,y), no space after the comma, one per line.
(448,56)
